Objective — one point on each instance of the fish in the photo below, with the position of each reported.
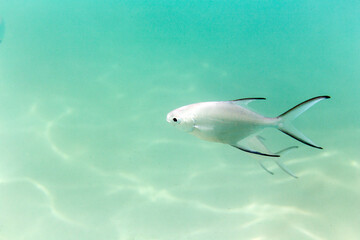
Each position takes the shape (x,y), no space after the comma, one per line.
(235,124)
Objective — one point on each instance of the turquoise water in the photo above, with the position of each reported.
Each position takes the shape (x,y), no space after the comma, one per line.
(85,149)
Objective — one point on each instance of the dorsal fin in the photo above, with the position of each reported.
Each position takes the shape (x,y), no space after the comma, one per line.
(249,99)
(246,101)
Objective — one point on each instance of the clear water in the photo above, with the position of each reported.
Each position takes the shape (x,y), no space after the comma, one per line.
(85,149)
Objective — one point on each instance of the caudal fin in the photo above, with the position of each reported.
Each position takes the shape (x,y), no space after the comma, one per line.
(284,120)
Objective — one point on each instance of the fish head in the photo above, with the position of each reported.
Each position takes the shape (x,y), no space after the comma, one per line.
(181,118)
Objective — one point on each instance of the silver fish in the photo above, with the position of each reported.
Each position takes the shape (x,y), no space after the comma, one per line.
(233,123)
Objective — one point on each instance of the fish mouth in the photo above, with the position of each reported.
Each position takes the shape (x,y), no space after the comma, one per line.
(168,118)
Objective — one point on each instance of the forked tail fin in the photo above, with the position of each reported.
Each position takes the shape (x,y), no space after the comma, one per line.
(284,120)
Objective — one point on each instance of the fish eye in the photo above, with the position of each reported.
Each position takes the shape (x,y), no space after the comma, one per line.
(175,119)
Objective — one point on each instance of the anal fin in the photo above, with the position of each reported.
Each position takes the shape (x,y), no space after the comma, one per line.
(254,151)
(253,142)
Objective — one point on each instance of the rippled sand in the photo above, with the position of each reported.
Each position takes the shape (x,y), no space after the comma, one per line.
(70,171)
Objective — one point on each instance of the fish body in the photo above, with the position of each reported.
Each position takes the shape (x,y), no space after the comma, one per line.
(233,123)
(224,122)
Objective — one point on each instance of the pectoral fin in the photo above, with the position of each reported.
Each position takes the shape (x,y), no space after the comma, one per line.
(204,128)
(255,144)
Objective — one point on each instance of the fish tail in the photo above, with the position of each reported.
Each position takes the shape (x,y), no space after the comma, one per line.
(284,120)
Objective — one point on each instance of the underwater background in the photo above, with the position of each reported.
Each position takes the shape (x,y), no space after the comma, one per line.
(85,149)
